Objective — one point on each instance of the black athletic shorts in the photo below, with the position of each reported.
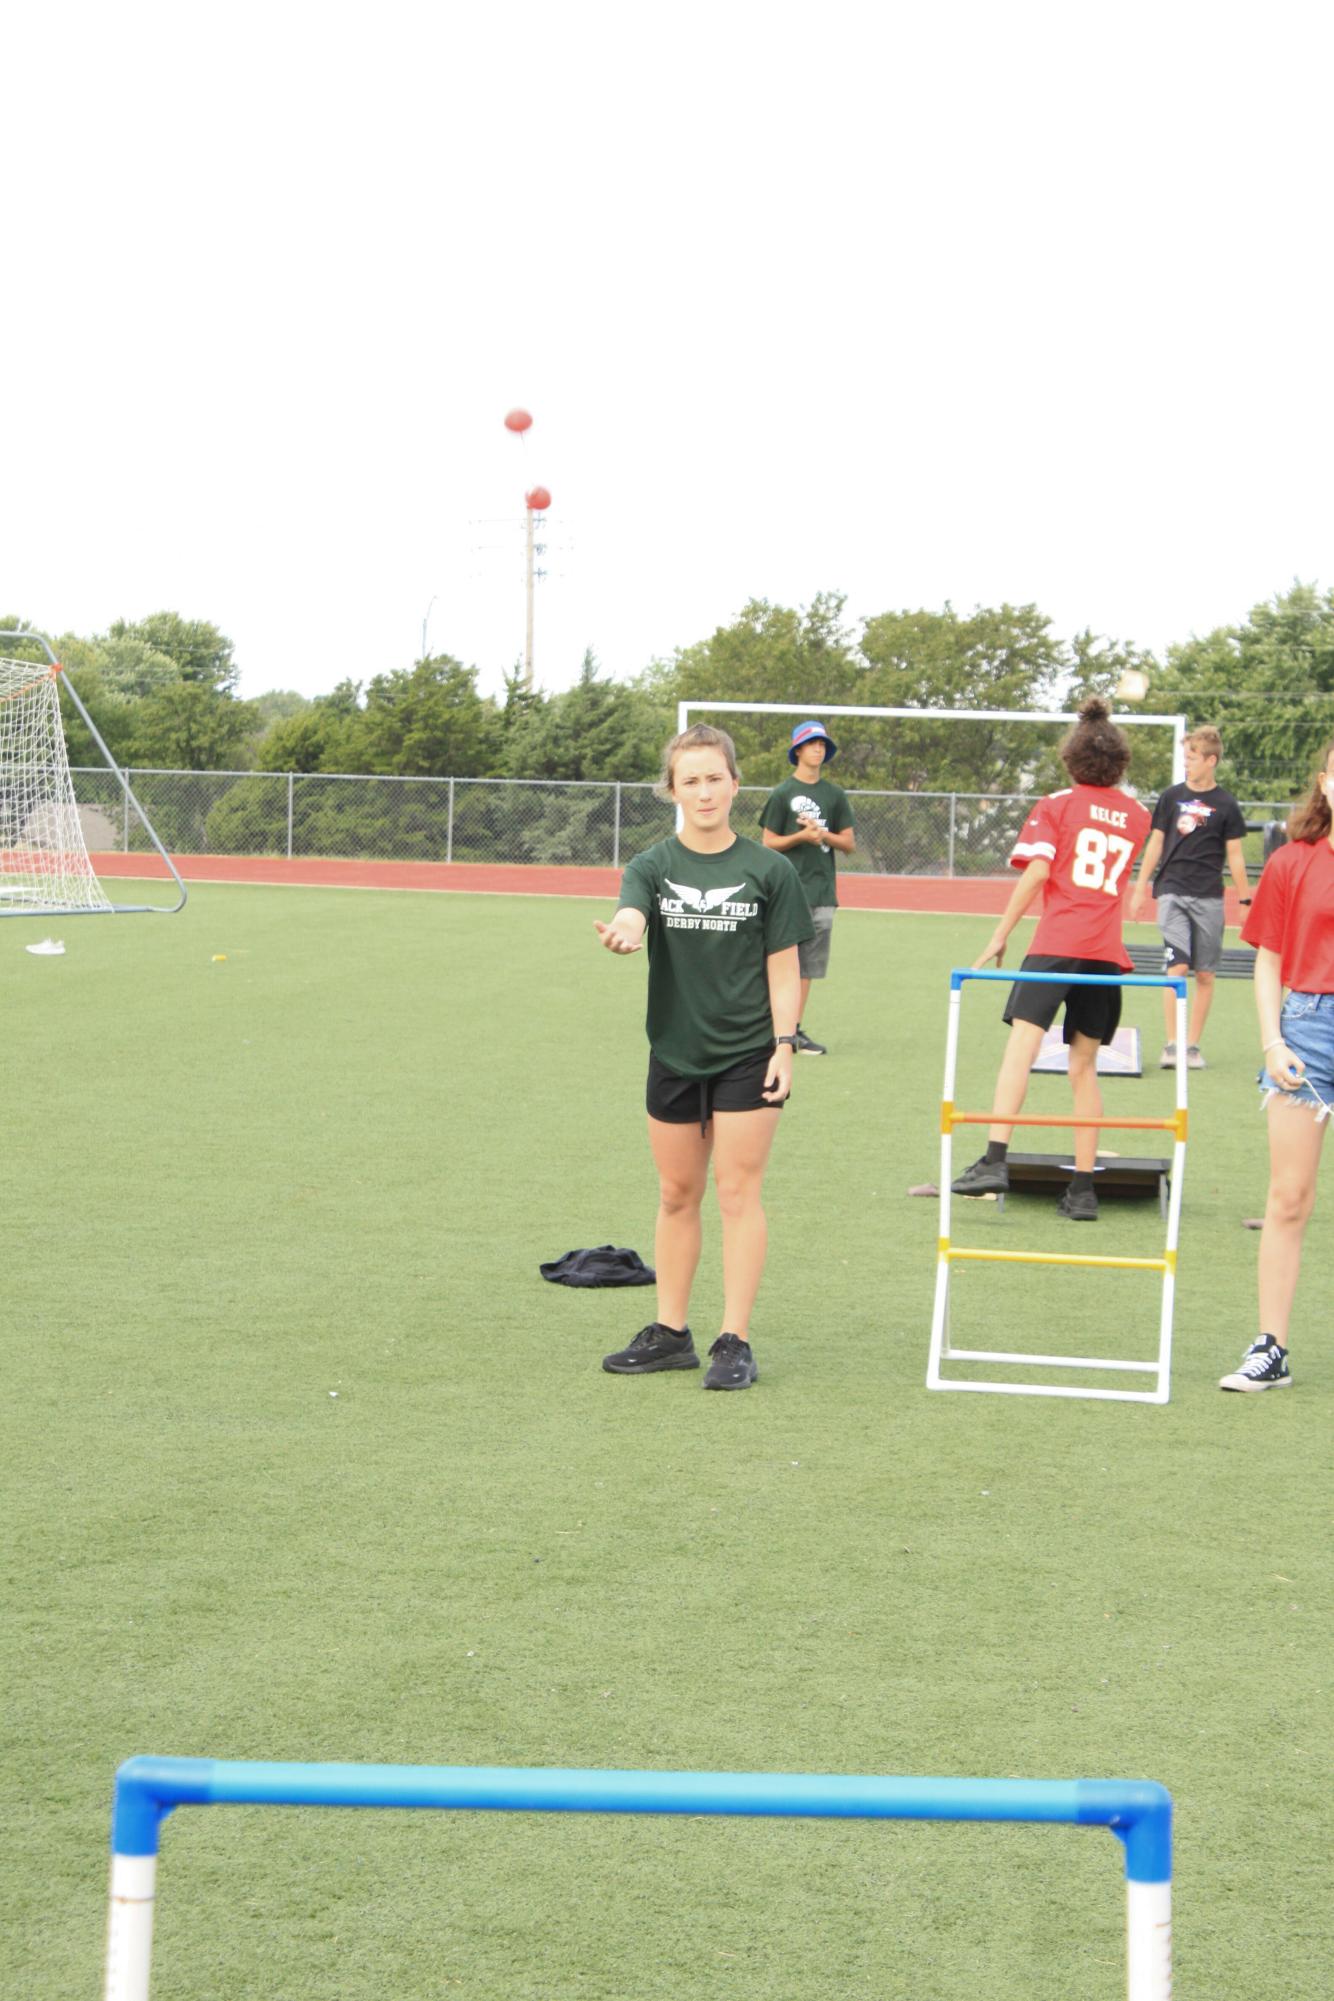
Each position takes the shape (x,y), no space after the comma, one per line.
(1092,1011)
(679,1101)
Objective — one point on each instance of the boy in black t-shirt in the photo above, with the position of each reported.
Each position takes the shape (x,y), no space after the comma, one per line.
(1196,827)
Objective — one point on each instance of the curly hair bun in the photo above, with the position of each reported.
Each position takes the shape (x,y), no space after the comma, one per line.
(1095,710)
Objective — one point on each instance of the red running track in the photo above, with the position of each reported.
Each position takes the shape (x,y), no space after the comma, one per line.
(982,896)
(856,892)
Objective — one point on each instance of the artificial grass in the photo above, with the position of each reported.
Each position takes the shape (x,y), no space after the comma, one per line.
(331,1162)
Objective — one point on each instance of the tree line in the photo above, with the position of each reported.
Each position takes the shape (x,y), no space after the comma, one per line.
(163,692)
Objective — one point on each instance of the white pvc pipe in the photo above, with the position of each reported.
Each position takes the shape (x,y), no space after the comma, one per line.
(130,1927)
(1148,1941)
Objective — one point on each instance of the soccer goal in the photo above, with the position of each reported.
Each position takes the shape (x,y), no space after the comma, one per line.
(45,870)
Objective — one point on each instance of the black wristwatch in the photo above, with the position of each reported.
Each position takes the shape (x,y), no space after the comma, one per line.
(790,1040)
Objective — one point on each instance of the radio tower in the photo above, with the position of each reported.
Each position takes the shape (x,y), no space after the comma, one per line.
(536,501)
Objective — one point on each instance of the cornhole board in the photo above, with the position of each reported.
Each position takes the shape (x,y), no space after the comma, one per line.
(1118,1058)
(1115,1175)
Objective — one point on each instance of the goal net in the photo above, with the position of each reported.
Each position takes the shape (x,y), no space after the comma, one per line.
(44,865)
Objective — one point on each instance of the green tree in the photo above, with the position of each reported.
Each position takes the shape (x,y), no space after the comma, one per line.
(596,729)
(190,726)
(201,653)
(325,735)
(771,653)
(1097,667)
(429,721)
(112,711)
(1002,658)
(1267,685)
(278,705)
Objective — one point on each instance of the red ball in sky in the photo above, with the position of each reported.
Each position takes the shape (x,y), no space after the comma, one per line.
(517,420)
(538,498)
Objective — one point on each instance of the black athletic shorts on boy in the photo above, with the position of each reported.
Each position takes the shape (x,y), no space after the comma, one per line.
(680,1101)
(1091,1011)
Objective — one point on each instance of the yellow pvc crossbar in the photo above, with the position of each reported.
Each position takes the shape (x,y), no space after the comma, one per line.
(949,1118)
(1165,1263)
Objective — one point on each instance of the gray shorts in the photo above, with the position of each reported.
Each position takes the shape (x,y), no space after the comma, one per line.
(813,956)
(1192,928)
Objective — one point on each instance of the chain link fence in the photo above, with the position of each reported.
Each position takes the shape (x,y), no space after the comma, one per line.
(561,823)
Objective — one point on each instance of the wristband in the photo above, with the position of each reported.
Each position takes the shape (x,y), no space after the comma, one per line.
(1277,1043)
(790,1040)
(1243,899)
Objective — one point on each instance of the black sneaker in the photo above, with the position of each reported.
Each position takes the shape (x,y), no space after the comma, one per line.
(807,1045)
(1080,1205)
(984,1177)
(1264,1366)
(731,1364)
(655,1347)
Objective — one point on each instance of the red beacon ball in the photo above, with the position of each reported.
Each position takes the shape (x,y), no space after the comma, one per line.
(538,498)
(517,420)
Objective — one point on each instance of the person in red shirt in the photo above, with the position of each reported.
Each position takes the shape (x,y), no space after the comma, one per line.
(1291,925)
(1078,846)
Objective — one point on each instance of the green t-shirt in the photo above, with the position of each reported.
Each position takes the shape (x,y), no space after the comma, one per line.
(713,920)
(826,804)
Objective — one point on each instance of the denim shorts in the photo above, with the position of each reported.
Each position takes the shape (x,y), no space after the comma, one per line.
(1307,1026)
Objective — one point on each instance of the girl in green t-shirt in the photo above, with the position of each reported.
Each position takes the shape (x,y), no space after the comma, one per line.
(723,918)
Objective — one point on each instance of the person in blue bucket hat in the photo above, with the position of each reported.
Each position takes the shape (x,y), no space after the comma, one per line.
(809,819)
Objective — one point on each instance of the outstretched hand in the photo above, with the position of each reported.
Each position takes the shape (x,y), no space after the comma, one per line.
(616,938)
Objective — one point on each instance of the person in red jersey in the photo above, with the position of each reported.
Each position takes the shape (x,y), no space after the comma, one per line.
(1291,925)
(1078,847)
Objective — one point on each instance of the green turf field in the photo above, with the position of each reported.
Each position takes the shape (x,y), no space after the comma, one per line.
(332,1163)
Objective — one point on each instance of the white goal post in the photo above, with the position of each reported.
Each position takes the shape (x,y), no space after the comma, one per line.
(44,866)
(1177,724)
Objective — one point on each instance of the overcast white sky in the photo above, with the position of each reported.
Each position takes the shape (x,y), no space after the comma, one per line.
(917,302)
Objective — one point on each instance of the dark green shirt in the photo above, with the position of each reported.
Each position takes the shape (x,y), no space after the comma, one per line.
(828,805)
(713,920)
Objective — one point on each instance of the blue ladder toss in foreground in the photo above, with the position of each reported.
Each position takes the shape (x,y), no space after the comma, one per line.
(1138,1812)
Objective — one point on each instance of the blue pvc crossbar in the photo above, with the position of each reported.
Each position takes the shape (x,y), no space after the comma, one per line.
(959,975)
(1137,1811)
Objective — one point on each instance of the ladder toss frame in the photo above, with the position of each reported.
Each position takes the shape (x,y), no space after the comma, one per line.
(947,1254)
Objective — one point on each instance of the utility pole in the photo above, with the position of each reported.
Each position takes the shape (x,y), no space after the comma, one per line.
(537,500)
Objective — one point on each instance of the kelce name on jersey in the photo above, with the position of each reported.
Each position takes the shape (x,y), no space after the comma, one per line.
(1107,815)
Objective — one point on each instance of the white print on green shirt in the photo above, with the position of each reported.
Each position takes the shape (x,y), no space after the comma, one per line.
(705,903)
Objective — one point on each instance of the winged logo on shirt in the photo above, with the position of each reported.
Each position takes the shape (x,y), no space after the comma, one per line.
(702,900)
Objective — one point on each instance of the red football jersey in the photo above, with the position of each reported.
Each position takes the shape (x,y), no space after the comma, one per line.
(1090,835)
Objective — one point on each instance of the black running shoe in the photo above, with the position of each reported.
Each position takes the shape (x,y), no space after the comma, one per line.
(984,1177)
(1264,1366)
(807,1045)
(655,1347)
(731,1364)
(1080,1205)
